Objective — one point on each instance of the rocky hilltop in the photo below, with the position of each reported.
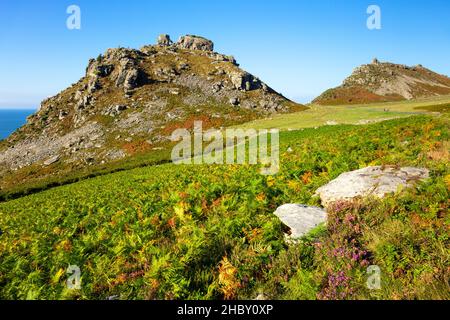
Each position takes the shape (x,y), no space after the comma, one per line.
(383,82)
(130,101)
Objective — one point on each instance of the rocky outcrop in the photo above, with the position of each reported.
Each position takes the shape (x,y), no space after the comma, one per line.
(300,219)
(164,40)
(96,69)
(246,82)
(129,75)
(192,42)
(375,181)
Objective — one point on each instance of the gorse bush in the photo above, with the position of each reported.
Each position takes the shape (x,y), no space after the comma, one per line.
(208,232)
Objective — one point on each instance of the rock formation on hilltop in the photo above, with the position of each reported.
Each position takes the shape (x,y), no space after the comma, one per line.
(191,42)
(132,100)
(164,40)
(383,81)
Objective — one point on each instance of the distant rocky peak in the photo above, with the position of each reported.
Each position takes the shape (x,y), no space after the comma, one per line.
(384,81)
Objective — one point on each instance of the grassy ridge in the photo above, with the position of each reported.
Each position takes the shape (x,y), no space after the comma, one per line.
(317,115)
(203,232)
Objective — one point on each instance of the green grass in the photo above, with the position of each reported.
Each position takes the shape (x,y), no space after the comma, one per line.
(206,232)
(33,182)
(318,116)
(441,108)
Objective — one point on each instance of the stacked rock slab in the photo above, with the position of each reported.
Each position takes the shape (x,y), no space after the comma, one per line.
(192,42)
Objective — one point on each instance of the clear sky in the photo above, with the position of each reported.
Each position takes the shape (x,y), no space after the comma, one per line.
(299,48)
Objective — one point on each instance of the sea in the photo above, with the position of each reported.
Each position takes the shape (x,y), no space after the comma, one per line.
(12,119)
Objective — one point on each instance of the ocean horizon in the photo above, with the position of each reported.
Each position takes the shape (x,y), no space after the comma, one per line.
(12,119)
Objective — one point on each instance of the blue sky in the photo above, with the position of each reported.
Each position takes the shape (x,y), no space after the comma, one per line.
(299,48)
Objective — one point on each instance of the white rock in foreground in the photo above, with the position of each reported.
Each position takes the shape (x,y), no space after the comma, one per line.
(371,181)
(300,218)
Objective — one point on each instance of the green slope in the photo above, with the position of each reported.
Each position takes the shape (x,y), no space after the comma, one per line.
(203,232)
(318,116)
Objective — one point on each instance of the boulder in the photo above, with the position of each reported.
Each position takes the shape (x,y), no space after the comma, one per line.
(191,42)
(245,81)
(164,40)
(225,58)
(234,101)
(300,219)
(51,160)
(371,181)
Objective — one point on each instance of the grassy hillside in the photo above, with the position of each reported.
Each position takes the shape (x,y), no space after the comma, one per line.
(29,180)
(383,82)
(203,232)
(317,115)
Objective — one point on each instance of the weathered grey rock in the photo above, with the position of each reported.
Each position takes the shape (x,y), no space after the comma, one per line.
(129,75)
(192,42)
(115,110)
(115,154)
(234,101)
(371,181)
(270,105)
(165,73)
(52,160)
(225,58)
(97,69)
(300,219)
(93,85)
(164,40)
(131,79)
(83,101)
(245,81)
